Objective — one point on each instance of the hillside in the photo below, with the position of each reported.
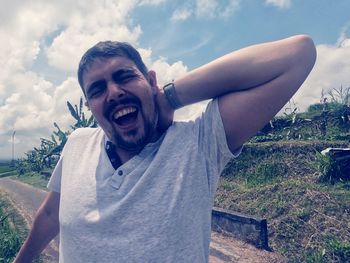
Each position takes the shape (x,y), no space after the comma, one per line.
(280,181)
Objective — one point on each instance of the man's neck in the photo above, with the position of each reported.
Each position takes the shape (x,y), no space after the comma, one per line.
(127,154)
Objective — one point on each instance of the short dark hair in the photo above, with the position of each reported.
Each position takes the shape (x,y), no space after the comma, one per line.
(109,49)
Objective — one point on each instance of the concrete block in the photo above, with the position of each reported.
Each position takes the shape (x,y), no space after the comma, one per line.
(250,229)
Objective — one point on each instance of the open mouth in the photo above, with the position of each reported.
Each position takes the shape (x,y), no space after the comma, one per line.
(125,116)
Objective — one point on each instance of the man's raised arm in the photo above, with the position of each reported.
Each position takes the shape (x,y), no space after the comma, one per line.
(45,228)
(252,84)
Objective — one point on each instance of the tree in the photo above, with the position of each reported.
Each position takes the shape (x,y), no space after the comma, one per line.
(49,151)
(79,116)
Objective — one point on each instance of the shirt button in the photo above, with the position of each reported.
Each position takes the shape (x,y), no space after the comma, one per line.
(120,172)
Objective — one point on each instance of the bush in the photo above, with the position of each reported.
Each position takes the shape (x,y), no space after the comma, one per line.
(330,170)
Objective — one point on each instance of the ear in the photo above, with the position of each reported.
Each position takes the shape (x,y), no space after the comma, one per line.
(152,79)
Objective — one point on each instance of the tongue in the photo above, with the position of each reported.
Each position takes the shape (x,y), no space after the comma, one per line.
(127,119)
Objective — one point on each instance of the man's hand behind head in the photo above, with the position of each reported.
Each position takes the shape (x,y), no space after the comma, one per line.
(166,112)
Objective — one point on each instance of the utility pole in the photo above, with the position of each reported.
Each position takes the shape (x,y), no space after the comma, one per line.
(13,148)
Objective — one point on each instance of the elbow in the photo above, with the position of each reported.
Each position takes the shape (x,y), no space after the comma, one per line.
(307,51)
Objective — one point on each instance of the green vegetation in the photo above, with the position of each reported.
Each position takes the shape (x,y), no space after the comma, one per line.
(10,237)
(35,179)
(5,167)
(328,120)
(13,231)
(308,218)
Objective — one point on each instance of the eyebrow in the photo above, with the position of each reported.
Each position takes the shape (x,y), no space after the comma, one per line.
(122,71)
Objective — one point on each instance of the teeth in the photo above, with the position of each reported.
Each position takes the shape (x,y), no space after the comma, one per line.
(123,112)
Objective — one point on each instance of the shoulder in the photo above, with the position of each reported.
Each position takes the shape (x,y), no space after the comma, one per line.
(208,111)
(85,134)
(80,139)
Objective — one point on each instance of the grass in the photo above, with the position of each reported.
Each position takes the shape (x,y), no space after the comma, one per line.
(308,220)
(13,231)
(34,179)
(5,167)
(10,233)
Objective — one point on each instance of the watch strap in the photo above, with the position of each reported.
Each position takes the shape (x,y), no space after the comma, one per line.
(170,94)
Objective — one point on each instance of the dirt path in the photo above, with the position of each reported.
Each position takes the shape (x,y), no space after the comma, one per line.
(27,200)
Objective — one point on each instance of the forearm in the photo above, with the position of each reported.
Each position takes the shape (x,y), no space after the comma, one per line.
(43,231)
(45,228)
(246,68)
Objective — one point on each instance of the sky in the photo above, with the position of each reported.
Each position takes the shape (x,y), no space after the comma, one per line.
(41,43)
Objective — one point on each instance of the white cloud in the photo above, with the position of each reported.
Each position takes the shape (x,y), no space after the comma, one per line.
(232,7)
(151,2)
(69,90)
(283,4)
(181,14)
(206,9)
(95,22)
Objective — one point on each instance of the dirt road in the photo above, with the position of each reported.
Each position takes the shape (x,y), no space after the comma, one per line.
(27,199)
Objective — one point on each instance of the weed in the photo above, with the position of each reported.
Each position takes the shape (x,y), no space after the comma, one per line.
(315,256)
(338,250)
(12,231)
(329,170)
(9,238)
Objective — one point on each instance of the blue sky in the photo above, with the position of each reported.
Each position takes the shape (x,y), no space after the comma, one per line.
(251,22)
(42,42)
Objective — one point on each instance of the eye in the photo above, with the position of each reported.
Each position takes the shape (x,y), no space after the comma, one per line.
(125,78)
(96,89)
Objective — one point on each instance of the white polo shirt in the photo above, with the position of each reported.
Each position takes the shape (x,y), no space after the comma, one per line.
(154,208)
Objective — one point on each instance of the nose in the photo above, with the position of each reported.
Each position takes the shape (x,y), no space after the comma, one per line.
(114,91)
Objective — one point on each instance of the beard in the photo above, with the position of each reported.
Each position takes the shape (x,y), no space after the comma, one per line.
(136,140)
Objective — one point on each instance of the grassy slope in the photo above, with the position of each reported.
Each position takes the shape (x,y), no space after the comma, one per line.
(12,228)
(33,179)
(13,231)
(5,167)
(308,220)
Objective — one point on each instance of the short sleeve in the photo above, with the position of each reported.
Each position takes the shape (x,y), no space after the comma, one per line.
(213,142)
(54,183)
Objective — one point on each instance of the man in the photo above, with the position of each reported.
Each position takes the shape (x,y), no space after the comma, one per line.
(140,188)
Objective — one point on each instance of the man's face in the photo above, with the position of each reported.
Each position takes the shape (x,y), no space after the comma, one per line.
(123,101)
